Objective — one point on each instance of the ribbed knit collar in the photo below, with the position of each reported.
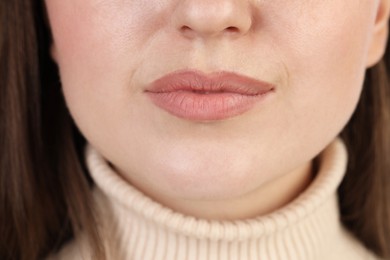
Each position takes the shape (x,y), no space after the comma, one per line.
(136,227)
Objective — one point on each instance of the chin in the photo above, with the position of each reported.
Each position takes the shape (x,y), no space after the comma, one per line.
(209,181)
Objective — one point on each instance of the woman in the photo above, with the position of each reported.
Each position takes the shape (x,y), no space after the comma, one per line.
(194,129)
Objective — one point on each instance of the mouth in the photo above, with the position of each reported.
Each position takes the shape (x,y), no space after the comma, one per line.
(195,96)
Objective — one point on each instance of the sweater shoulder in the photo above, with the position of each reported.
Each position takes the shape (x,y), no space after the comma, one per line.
(349,247)
(76,249)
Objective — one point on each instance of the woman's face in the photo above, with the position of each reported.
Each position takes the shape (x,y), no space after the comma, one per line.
(314,53)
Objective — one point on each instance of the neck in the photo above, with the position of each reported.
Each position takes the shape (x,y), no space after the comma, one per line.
(135,226)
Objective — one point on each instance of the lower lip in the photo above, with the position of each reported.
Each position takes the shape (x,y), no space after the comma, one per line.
(205,107)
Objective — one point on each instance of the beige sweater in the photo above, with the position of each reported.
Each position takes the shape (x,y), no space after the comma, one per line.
(136,227)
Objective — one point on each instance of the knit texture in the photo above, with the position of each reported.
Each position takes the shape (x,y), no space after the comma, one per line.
(138,228)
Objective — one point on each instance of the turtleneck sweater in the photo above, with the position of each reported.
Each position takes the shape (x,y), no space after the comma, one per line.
(136,227)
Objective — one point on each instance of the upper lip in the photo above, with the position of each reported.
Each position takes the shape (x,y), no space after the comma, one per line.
(216,82)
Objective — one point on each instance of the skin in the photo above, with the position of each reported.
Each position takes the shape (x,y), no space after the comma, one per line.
(315,52)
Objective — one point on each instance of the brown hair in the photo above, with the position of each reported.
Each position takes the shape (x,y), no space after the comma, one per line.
(44,196)
(364,194)
(44,187)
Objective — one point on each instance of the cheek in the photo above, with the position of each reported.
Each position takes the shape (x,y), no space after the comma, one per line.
(95,46)
(325,55)
(99,38)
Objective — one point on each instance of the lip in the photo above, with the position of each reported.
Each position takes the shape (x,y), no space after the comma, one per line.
(194,95)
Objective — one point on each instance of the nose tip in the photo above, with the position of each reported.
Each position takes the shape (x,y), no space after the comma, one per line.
(206,18)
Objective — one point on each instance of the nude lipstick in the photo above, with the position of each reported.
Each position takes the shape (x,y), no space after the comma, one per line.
(197,96)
